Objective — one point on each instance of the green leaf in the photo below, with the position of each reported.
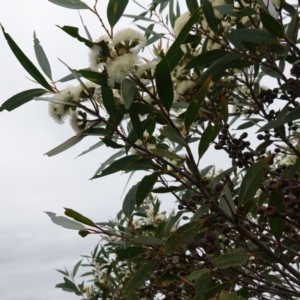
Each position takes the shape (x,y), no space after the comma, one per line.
(216,289)
(115,10)
(166,154)
(224,108)
(193,109)
(129,201)
(196,274)
(208,136)
(291,170)
(96,77)
(144,188)
(208,12)
(148,240)
(271,24)
(66,145)
(217,68)
(226,261)
(73,32)
(172,220)
(253,35)
(127,91)
(192,5)
(252,180)
(83,232)
(41,57)
(26,63)
(282,119)
(137,279)
(293,27)
(109,101)
(73,4)
(127,164)
(182,235)
(137,126)
(173,135)
(174,54)
(79,217)
(76,267)
(203,284)
(228,9)
(276,223)
(65,222)
(164,83)
(130,252)
(21,98)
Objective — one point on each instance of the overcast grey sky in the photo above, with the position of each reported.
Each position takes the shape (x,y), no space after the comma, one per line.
(31,245)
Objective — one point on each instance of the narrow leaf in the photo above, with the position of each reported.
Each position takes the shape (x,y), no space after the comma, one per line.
(129,201)
(173,135)
(131,252)
(41,57)
(127,91)
(65,222)
(193,109)
(73,31)
(66,145)
(252,179)
(205,59)
(115,10)
(79,218)
(21,98)
(277,224)
(164,83)
(208,136)
(226,261)
(144,188)
(96,77)
(73,4)
(138,278)
(271,24)
(119,165)
(174,54)
(182,235)
(253,35)
(26,63)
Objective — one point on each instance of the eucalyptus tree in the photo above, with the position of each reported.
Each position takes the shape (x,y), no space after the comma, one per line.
(234,233)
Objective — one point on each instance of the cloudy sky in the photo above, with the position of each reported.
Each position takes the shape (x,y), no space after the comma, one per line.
(31,245)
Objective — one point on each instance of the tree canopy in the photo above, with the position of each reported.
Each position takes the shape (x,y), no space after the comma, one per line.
(175,86)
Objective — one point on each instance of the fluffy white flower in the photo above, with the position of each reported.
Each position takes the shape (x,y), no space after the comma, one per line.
(129,37)
(94,57)
(57,112)
(120,67)
(136,223)
(74,121)
(180,22)
(149,66)
(182,87)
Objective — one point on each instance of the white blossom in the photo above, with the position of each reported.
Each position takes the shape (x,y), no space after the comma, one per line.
(120,67)
(74,121)
(149,66)
(129,37)
(57,112)
(180,22)
(94,57)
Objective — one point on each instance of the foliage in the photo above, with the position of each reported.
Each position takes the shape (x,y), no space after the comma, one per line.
(235,233)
